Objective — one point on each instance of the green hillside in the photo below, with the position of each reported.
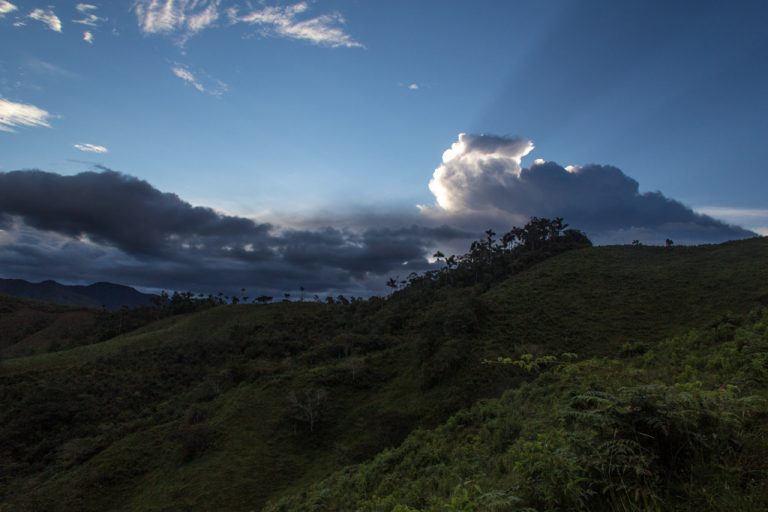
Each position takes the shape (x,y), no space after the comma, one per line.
(211,410)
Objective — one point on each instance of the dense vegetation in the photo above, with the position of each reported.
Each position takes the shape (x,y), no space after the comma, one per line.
(403,403)
(679,426)
(30,327)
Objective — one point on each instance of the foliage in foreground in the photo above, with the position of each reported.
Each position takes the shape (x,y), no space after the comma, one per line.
(679,427)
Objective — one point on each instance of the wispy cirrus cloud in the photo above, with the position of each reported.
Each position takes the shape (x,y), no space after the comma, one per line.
(212,86)
(6,7)
(323,30)
(89,18)
(183,18)
(91,148)
(13,115)
(46,16)
(41,67)
(188,77)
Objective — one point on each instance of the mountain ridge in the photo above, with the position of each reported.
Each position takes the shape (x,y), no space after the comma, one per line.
(111,296)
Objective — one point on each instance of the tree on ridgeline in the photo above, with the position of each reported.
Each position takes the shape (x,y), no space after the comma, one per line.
(490,258)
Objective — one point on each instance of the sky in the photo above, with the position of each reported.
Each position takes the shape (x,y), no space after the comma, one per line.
(204,144)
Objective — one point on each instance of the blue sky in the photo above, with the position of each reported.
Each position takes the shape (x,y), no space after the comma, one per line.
(279,111)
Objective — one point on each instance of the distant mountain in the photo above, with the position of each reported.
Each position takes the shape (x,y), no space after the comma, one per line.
(97,295)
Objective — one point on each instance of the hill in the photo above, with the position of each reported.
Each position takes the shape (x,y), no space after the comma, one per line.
(390,404)
(98,295)
(29,326)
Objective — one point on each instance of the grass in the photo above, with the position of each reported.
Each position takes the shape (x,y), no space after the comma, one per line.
(191,413)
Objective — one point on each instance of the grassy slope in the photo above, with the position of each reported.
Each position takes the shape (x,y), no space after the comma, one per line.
(541,446)
(28,326)
(594,300)
(234,365)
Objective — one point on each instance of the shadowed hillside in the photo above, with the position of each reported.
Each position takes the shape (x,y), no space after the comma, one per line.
(313,406)
(98,295)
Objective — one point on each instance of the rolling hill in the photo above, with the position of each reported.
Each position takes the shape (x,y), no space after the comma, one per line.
(402,403)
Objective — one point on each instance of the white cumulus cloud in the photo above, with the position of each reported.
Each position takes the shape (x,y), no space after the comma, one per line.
(88,37)
(91,148)
(6,7)
(325,30)
(48,17)
(13,115)
(482,181)
(474,168)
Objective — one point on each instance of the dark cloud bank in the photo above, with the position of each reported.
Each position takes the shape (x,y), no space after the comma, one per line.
(109,226)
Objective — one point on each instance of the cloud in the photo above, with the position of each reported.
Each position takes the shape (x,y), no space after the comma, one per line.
(188,77)
(215,87)
(89,19)
(114,227)
(324,30)
(184,18)
(755,219)
(42,67)
(91,148)
(481,179)
(48,17)
(109,226)
(6,7)
(118,210)
(13,115)
(413,87)
(88,37)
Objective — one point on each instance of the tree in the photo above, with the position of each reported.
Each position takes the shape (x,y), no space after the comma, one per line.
(355,365)
(668,242)
(263,299)
(308,405)
(489,243)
